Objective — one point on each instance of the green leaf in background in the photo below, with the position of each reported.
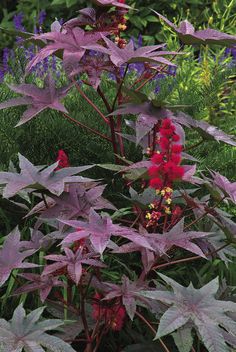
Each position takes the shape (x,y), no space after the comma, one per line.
(183,339)
(70,3)
(58,2)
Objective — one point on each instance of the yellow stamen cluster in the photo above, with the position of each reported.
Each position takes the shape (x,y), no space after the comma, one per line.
(167,211)
(122,27)
(166,191)
(163,192)
(117,39)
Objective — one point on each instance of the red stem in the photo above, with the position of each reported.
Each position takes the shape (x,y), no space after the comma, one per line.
(91,103)
(120,139)
(87,127)
(189,259)
(104,99)
(203,215)
(152,329)
(113,138)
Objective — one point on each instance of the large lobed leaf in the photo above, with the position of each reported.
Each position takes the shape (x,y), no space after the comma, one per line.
(129,55)
(28,333)
(99,230)
(71,40)
(39,99)
(188,35)
(111,3)
(200,309)
(76,201)
(161,243)
(149,115)
(72,262)
(38,177)
(12,256)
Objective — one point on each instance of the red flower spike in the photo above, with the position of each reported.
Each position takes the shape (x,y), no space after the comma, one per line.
(176,148)
(118,320)
(157,158)
(166,123)
(176,158)
(176,138)
(63,160)
(180,172)
(167,132)
(113,316)
(176,215)
(164,144)
(153,171)
(174,171)
(164,171)
(156,183)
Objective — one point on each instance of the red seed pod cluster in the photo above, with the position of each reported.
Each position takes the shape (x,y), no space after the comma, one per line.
(63,160)
(113,316)
(166,162)
(176,215)
(164,171)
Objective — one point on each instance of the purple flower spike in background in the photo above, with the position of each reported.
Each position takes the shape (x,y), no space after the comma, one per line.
(5,58)
(17,20)
(140,40)
(42,17)
(2,74)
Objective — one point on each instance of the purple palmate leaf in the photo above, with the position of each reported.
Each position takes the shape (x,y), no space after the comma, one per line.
(94,66)
(88,12)
(99,229)
(39,282)
(39,178)
(12,256)
(39,99)
(207,131)
(129,293)
(37,241)
(74,202)
(162,243)
(71,41)
(28,333)
(188,35)
(177,237)
(149,115)
(129,54)
(189,171)
(111,3)
(72,262)
(147,256)
(199,308)
(229,188)
(87,17)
